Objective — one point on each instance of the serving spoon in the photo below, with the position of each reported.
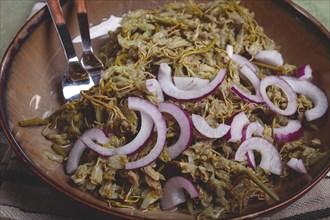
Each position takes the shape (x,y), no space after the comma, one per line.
(75,77)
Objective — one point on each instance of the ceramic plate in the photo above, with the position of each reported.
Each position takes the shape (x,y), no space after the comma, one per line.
(31,75)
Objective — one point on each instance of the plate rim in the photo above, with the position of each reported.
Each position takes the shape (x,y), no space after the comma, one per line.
(24,33)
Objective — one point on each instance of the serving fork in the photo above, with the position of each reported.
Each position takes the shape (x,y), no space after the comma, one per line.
(88,59)
(78,75)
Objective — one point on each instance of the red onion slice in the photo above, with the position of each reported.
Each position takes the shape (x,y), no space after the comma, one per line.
(78,148)
(189,83)
(304,73)
(271,57)
(236,127)
(291,132)
(297,165)
(242,61)
(173,192)
(129,148)
(270,158)
(286,88)
(248,130)
(148,108)
(312,92)
(246,96)
(248,73)
(184,121)
(250,159)
(153,86)
(165,81)
(205,129)
(252,128)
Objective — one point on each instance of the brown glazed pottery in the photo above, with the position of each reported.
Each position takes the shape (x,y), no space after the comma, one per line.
(31,73)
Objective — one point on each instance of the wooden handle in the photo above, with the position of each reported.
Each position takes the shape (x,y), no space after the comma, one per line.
(81,6)
(56,11)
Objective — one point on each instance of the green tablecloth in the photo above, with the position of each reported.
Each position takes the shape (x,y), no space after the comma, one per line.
(23,196)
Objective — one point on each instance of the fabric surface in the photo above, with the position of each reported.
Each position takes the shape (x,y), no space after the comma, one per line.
(24,196)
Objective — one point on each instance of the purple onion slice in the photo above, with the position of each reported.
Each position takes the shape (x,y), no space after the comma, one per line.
(173,192)
(286,88)
(271,57)
(205,129)
(291,132)
(270,157)
(312,92)
(168,87)
(185,124)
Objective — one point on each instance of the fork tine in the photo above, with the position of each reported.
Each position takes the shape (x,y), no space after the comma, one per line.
(88,60)
(75,77)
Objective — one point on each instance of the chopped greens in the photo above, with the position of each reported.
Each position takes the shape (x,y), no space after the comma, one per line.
(192,39)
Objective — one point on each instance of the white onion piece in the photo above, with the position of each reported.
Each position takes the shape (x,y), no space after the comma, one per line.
(297,165)
(148,108)
(253,78)
(236,127)
(189,83)
(312,92)
(305,73)
(286,88)
(230,50)
(153,86)
(271,57)
(173,192)
(252,128)
(205,129)
(185,124)
(270,158)
(165,81)
(129,148)
(291,132)
(78,148)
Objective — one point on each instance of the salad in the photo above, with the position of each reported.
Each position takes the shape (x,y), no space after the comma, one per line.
(196,110)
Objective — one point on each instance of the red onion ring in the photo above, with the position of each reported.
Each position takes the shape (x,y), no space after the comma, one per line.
(291,132)
(270,158)
(248,73)
(165,81)
(242,61)
(286,88)
(250,159)
(205,129)
(129,148)
(148,108)
(78,148)
(305,73)
(271,57)
(184,121)
(173,192)
(236,127)
(153,86)
(252,128)
(189,83)
(312,92)
(248,130)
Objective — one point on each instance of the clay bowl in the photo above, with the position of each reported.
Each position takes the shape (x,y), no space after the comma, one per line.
(30,86)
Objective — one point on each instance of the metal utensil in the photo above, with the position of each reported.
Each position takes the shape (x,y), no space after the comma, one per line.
(75,77)
(88,60)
